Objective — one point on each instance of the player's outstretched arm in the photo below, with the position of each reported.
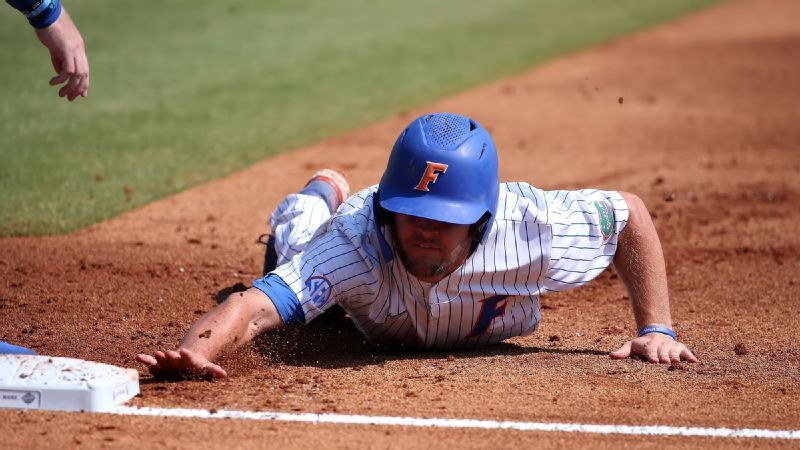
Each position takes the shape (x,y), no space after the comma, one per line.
(236,321)
(639,261)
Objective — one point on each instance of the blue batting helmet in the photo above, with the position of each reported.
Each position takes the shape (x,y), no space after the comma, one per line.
(443,167)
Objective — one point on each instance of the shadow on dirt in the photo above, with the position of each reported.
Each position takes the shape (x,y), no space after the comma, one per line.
(332,341)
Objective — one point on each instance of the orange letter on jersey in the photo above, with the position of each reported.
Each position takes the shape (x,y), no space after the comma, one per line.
(431,174)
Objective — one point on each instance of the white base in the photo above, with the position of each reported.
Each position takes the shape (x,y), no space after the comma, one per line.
(63,384)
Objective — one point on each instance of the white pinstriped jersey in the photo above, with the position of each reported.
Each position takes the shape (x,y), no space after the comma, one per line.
(539,241)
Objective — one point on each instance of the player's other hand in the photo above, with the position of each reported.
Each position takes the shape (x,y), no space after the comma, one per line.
(68,55)
(655,348)
(180,364)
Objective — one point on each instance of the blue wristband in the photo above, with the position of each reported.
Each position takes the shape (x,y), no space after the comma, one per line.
(40,13)
(657,329)
(24,6)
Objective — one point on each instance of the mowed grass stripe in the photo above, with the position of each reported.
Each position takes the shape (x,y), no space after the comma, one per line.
(186,91)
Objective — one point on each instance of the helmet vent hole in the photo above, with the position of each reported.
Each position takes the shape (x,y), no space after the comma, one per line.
(447,130)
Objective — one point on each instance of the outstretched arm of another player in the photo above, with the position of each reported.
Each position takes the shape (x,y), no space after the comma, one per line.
(639,261)
(236,321)
(68,55)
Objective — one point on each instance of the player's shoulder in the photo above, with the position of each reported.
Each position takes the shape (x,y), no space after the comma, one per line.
(356,213)
(567,206)
(361,200)
(577,198)
(520,201)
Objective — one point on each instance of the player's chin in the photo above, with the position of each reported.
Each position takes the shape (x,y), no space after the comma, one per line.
(429,262)
(424,268)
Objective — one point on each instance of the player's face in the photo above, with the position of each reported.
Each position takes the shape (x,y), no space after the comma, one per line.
(430,249)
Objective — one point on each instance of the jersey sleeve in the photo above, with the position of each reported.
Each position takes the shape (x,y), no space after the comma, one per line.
(585,226)
(296,221)
(332,266)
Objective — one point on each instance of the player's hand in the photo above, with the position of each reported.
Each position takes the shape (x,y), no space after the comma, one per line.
(655,348)
(68,54)
(180,364)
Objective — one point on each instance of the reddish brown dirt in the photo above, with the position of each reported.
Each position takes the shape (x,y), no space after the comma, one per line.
(706,132)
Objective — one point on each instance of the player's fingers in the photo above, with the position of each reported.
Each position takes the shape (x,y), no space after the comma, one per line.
(74,78)
(75,86)
(675,355)
(215,371)
(650,351)
(58,79)
(66,66)
(83,70)
(173,356)
(159,356)
(194,359)
(663,354)
(162,362)
(82,77)
(71,89)
(62,74)
(56,60)
(83,87)
(146,359)
(688,355)
(622,352)
(190,355)
(202,364)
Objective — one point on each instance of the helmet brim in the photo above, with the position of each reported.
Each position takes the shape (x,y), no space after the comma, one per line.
(440,209)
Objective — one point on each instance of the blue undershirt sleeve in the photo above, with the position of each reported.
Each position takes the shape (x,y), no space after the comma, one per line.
(6,348)
(40,13)
(282,297)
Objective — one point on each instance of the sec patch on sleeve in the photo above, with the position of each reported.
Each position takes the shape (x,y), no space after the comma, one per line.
(605,212)
(319,289)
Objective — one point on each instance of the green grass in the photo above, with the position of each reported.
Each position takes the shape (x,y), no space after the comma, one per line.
(186,91)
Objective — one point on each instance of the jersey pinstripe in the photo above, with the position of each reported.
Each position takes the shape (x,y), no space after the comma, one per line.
(540,241)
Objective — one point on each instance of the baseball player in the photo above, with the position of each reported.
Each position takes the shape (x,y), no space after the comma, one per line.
(439,255)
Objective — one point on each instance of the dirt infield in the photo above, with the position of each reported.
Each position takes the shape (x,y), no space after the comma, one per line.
(698,117)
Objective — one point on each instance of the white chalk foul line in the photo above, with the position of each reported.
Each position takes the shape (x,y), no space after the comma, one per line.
(655,430)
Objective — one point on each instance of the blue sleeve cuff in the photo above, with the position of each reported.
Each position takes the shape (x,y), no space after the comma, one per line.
(6,348)
(282,297)
(24,6)
(40,13)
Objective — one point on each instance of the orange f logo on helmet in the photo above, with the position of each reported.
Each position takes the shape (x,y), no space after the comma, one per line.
(431,174)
